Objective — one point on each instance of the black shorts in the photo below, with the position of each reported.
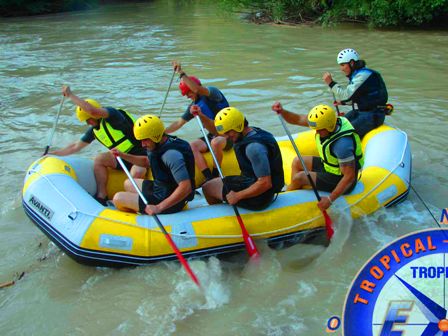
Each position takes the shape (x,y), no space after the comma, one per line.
(326,181)
(238,183)
(152,198)
(229,143)
(126,163)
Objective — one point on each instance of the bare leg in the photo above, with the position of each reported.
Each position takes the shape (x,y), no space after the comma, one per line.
(213,191)
(126,201)
(300,180)
(198,147)
(218,144)
(129,187)
(100,165)
(298,176)
(138,172)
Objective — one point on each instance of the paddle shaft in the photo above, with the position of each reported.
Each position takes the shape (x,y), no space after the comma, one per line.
(50,139)
(248,241)
(313,185)
(166,94)
(179,255)
(337,106)
(328,221)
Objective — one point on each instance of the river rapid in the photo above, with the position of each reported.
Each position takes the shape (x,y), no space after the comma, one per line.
(120,55)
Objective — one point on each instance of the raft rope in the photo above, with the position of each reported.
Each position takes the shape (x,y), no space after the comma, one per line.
(266,233)
(156,230)
(400,163)
(415,191)
(426,206)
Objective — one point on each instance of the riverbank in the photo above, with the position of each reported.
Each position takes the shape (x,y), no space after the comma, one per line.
(11,8)
(381,13)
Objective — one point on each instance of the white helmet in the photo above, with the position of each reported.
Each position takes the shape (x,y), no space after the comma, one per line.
(346,55)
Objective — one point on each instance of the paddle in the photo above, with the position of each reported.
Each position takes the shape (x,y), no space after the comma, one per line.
(50,139)
(179,255)
(335,104)
(166,94)
(328,221)
(248,241)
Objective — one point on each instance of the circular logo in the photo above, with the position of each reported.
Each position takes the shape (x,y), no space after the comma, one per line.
(402,290)
(333,324)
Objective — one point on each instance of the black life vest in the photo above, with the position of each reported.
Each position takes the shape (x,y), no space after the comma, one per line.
(164,181)
(274,156)
(372,94)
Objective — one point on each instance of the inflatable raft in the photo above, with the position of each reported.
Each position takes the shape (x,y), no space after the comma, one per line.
(57,196)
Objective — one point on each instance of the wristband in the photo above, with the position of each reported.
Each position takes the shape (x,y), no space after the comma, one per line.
(182,74)
(329,198)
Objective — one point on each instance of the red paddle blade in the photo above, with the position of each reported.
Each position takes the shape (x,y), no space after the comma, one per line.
(248,241)
(250,247)
(328,225)
(183,261)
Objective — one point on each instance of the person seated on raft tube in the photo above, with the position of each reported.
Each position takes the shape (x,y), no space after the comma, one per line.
(211,100)
(172,165)
(112,128)
(259,159)
(340,153)
(366,89)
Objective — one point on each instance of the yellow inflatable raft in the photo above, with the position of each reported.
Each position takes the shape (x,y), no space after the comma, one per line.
(57,196)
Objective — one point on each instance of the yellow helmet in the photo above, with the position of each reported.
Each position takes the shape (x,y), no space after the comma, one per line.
(83,115)
(229,118)
(322,117)
(149,127)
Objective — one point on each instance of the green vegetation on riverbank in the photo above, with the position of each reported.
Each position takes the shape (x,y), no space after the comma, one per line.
(376,13)
(33,7)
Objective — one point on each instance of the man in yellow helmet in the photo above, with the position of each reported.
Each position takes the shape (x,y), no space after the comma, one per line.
(113,129)
(259,159)
(172,165)
(340,153)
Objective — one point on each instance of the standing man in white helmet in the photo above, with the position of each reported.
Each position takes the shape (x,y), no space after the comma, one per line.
(112,128)
(171,162)
(340,153)
(366,89)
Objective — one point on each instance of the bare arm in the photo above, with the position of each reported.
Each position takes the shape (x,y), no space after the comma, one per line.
(181,192)
(194,87)
(349,175)
(95,112)
(208,123)
(70,149)
(175,126)
(139,160)
(290,117)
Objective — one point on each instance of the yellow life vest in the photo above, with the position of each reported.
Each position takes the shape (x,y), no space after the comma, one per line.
(330,162)
(113,138)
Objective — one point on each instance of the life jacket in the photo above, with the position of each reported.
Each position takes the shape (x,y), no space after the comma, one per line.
(274,156)
(122,139)
(372,94)
(163,178)
(209,107)
(330,161)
